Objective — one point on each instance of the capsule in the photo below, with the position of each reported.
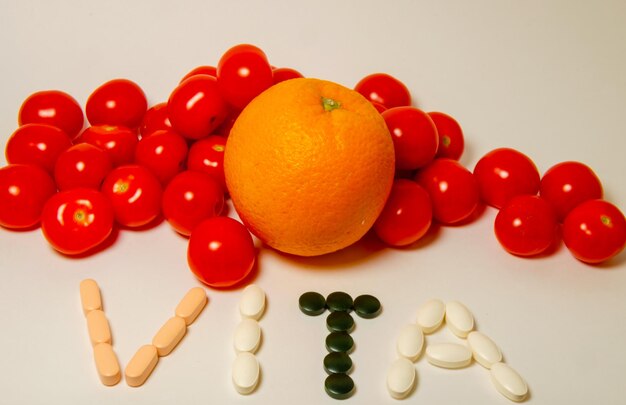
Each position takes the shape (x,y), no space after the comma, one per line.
(448,355)
(252,302)
(98,327)
(484,350)
(246,372)
(191,305)
(247,336)
(141,365)
(508,382)
(410,342)
(106,364)
(401,378)
(170,334)
(430,315)
(90,297)
(459,319)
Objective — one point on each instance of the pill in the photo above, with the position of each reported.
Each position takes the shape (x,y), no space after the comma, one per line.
(339,342)
(337,362)
(484,350)
(169,335)
(312,303)
(98,327)
(508,382)
(459,319)
(401,378)
(252,303)
(141,365)
(246,373)
(410,342)
(247,336)
(367,306)
(430,315)
(191,305)
(448,355)
(90,297)
(106,364)
(339,385)
(339,301)
(340,322)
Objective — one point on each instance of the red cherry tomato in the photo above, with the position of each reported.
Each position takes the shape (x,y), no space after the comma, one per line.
(190,198)
(568,184)
(196,108)
(384,89)
(54,108)
(117,102)
(200,70)
(379,107)
(414,136)
(82,166)
(407,215)
(452,190)
(505,173)
(163,153)
(76,221)
(38,144)
(595,231)
(119,142)
(155,119)
(24,189)
(221,252)
(207,155)
(451,142)
(526,225)
(227,125)
(243,73)
(135,195)
(282,74)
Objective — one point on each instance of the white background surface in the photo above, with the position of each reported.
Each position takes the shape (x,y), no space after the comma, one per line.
(545,77)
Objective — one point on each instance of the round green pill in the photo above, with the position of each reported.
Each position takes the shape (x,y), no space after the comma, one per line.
(339,386)
(367,306)
(337,362)
(339,301)
(339,342)
(340,322)
(312,303)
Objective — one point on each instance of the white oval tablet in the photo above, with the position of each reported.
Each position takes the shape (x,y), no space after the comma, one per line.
(508,382)
(459,319)
(485,351)
(252,302)
(410,342)
(448,355)
(430,315)
(246,373)
(401,378)
(247,336)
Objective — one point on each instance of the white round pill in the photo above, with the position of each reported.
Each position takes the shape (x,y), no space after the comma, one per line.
(484,350)
(246,373)
(508,382)
(459,319)
(247,336)
(430,315)
(401,378)
(252,302)
(410,342)
(448,355)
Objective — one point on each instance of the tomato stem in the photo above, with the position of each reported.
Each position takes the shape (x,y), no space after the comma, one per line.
(330,104)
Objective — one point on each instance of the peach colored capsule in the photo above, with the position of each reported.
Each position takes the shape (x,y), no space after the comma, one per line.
(141,365)
(106,363)
(98,327)
(191,305)
(169,335)
(90,297)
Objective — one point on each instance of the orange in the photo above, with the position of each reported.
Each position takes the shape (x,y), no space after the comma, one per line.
(309,165)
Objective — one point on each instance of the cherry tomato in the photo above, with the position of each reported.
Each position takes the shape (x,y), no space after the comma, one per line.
(190,198)
(384,89)
(117,102)
(135,195)
(243,73)
(379,107)
(407,215)
(155,119)
(24,189)
(505,173)
(452,189)
(451,142)
(414,135)
(82,166)
(526,225)
(163,153)
(595,231)
(227,125)
(568,184)
(221,252)
(196,107)
(282,74)
(200,70)
(38,144)
(119,142)
(52,107)
(207,155)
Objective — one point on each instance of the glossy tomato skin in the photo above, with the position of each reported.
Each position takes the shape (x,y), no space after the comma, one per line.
(595,231)
(414,136)
(196,107)
(504,173)
(76,221)
(189,198)
(452,189)
(221,252)
(284,73)
(243,73)
(164,153)
(526,225)
(200,70)
(135,194)
(117,102)
(82,166)
(52,107)
(118,141)
(384,89)
(451,140)
(407,214)
(155,119)
(38,144)
(207,156)
(24,189)
(568,184)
